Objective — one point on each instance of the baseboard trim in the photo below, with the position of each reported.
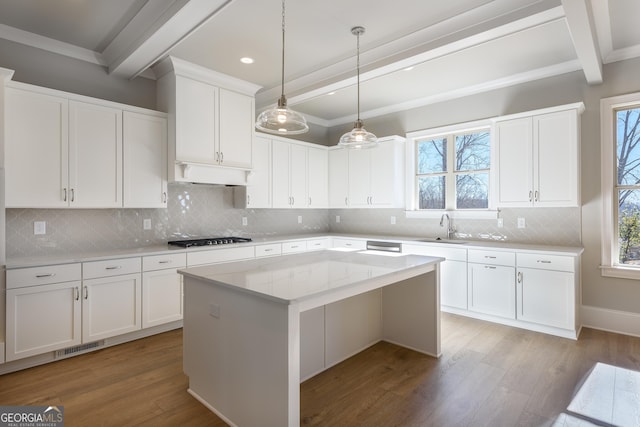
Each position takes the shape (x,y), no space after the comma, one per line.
(620,322)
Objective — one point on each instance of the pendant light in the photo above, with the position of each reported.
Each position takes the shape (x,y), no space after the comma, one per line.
(281,120)
(358,137)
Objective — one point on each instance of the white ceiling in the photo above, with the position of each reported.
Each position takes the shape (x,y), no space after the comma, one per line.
(456,47)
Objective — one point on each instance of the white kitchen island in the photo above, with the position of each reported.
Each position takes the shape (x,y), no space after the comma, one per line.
(244,323)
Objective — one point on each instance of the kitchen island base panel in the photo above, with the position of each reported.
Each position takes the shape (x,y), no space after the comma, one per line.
(242,351)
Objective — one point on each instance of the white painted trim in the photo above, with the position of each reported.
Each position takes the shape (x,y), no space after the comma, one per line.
(623,54)
(1,352)
(619,322)
(6,74)
(210,407)
(602,20)
(455,214)
(45,43)
(556,109)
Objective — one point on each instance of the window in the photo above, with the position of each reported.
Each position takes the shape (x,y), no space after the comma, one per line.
(620,124)
(452,170)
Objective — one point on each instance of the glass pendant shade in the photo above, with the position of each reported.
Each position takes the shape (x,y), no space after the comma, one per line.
(358,137)
(282,120)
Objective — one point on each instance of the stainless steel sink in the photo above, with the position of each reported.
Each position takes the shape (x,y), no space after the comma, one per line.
(441,240)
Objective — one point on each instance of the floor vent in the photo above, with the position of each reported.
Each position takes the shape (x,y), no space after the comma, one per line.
(72,351)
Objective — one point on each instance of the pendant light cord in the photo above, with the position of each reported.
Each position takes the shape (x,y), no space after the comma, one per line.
(282,86)
(358,68)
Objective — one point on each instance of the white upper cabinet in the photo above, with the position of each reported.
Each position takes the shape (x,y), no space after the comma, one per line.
(374,177)
(79,144)
(339,178)
(288,175)
(145,160)
(95,156)
(537,158)
(211,124)
(317,177)
(36,180)
(257,192)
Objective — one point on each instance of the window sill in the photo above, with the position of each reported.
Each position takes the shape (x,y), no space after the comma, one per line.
(459,214)
(620,272)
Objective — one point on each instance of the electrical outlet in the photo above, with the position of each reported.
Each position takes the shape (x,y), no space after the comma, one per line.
(39,227)
(500,222)
(214,310)
(299,219)
(244,220)
(521,223)
(393,220)
(146,224)
(337,218)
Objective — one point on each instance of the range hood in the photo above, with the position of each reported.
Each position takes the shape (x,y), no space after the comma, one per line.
(199,173)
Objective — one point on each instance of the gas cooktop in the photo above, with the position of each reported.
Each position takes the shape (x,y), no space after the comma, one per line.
(209,241)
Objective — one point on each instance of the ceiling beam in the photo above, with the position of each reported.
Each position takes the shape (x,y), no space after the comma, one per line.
(584,38)
(154,31)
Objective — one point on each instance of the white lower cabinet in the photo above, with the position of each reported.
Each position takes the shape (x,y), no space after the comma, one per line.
(111,306)
(162,289)
(491,279)
(453,272)
(492,290)
(42,318)
(547,294)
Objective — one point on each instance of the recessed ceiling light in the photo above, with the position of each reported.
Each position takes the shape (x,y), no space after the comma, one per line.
(408,69)
(246,60)
(331,93)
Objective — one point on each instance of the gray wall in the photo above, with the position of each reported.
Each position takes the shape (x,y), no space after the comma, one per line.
(42,68)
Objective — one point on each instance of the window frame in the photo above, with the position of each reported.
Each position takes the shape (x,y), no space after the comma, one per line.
(412,210)
(610,265)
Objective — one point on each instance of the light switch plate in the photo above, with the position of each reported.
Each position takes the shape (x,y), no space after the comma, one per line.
(393,220)
(500,222)
(146,224)
(244,220)
(337,218)
(521,223)
(299,219)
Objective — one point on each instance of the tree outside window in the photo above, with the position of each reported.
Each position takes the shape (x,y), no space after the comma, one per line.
(460,181)
(628,184)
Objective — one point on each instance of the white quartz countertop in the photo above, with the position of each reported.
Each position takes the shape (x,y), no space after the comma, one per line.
(294,278)
(99,255)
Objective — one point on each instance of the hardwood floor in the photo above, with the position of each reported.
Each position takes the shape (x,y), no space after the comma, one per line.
(488,375)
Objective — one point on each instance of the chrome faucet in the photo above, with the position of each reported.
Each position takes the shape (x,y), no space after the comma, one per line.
(450,228)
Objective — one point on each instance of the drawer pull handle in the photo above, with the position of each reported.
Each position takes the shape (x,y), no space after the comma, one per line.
(114,267)
(268,250)
(490,257)
(544,261)
(168,261)
(40,276)
(491,267)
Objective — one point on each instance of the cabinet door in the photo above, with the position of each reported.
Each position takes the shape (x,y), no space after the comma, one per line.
(298,176)
(95,156)
(42,318)
(317,178)
(546,297)
(145,160)
(492,290)
(556,159)
(453,284)
(281,196)
(161,297)
(383,174)
(259,186)
(196,121)
(360,177)
(111,306)
(36,150)
(514,162)
(338,178)
(236,129)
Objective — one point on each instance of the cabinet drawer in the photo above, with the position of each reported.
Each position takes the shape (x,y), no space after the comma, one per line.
(219,255)
(293,247)
(492,257)
(268,250)
(317,244)
(112,267)
(451,254)
(161,262)
(23,277)
(349,244)
(546,262)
